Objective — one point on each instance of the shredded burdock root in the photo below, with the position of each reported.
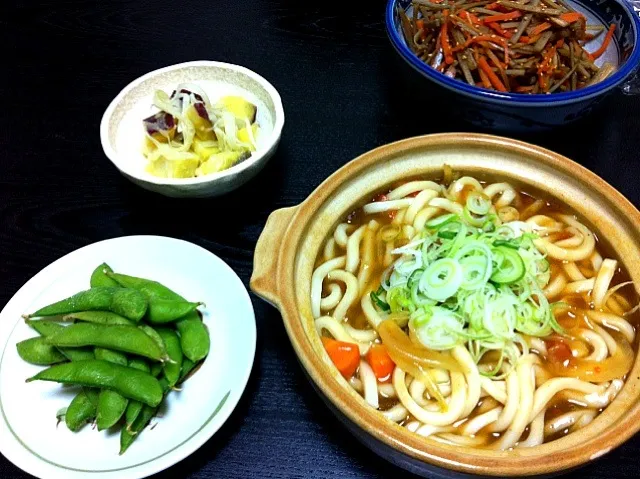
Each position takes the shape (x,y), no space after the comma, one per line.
(528,46)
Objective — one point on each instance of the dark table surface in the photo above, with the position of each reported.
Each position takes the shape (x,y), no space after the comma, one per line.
(63,63)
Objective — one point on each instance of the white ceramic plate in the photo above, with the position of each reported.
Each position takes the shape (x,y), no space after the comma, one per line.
(29,436)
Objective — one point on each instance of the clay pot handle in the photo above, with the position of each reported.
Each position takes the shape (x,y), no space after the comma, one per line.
(264,279)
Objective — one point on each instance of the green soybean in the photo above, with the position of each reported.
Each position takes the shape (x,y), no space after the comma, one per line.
(126,302)
(100,278)
(194,336)
(48,328)
(130,383)
(187,367)
(173,367)
(156,369)
(128,339)
(115,357)
(82,409)
(99,317)
(111,405)
(44,327)
(153,334)
(150,288)
(37,351)
(167,310)
(134,407)
(129,434)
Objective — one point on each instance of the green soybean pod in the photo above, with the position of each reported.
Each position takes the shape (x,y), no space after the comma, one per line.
(130,383)
(174,350)
(189,368)
(128,339)
(82,409)
(115,357)
(167,310)
(129,434)
(99,317)
(47,328)
(126,302)
(150,288)
(37,351)
(111,405)
(134,407)
(194,336)
(100,278)
(156,370)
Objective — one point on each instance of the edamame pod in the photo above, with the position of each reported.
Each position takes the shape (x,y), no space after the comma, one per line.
(99,317)
(150,288)
(111,405)
(187,367)
(130,383)
(47,328)
(115,357)
(128,339)
(126,302)
(167,310)
(82,409)
(100,278)
(156,369)
(37,351)
(134,407)
(172,346)
(194,336)
(128,435)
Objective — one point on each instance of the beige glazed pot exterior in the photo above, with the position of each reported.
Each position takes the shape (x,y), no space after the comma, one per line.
(288,247)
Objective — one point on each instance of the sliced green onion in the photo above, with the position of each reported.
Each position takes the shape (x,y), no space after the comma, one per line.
(437,222)
(508,265)
(478,204)
(441,279)
(375,297)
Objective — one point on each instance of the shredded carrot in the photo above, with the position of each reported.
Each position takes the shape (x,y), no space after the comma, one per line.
(524,89)
(501,31)
(571,17)
(560,43)
(346,356)
(469,17)
(381,363)
(607,40)
(420,25)
(444,39)
(539,29)
(493,78)
(485,79)
(482,38)
(502,17)
(492,6)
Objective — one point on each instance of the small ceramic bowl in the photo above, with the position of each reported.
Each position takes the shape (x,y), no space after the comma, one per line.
(516,111)
(122,134)
(292,239)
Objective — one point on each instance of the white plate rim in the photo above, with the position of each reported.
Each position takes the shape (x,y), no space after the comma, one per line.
(10,443)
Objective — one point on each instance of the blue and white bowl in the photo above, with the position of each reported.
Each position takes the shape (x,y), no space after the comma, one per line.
(517,111)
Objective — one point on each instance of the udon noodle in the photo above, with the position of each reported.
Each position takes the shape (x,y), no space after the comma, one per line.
(474,314)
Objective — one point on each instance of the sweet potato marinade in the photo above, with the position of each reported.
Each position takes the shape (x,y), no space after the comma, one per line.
(531,46)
